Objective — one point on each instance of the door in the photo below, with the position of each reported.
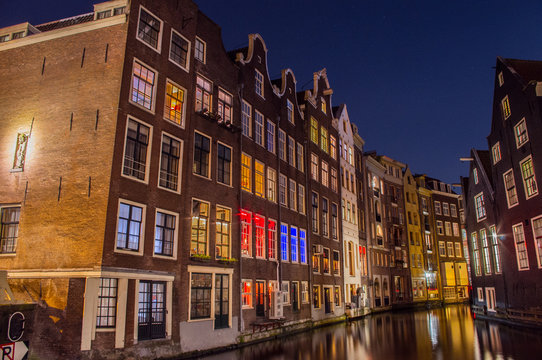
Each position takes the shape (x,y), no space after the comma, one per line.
(295,296)
(152,310)
(222,301)
(327,300)
(260,298)
(490,299)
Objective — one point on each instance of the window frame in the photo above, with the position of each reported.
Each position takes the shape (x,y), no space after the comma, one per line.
(196,50)
(496,152)
(181,124)
(271,184)
(505,108)
(227,209)
(259,128)
(270,139)
(246,172)
(152,108)
(187,66)
(180,167)
(141,243)
(218,144)
(526,259)
(204,91)
(259,83)
(224,108)
(479,207)
(145,180)
(2,242)
(525,188)
(208,176)
(508,189)
(158,47)
(246,119)
(175,235)
(523,137)
(207,227)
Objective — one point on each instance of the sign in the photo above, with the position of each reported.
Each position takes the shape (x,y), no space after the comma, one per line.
(13,351)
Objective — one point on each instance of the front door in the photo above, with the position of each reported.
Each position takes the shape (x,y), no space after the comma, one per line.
(327,300)
(260,298)
(222,301)
(152,310)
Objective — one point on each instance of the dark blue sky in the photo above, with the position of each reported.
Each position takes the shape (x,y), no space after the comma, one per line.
(417,76)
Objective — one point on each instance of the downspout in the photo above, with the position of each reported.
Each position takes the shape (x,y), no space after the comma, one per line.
(240,319)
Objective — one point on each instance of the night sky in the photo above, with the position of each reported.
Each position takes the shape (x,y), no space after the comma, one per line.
(417,76)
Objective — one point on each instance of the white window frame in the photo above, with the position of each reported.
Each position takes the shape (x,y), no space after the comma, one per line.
(179,170)
(509,190)
(175,234)
(535,237)
(521,140)
(478,207)
(507,101)
(154,87)
(258,83)
(148,155)
(246,119)
(259,133)
(187,67)
(270,140)
(158,49)
(496,152)
(271,185)
(141,229)
(183,114)
(204,44)
(528,158)
(514,227)
(290,111)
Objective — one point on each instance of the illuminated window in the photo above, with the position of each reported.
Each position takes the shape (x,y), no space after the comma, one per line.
(316,296)
(9,229)
(246,118)
(258,128)
(448,228)
(223,232)
(480,207)
(292,195)
(314,130)
(332,147)
(496,152)
(521,248)
(225,106)
(135,151)
(293,243)
(271,185)
(300,158)
(259,179)
(325,174)
(337,295)
(315,260)
(505,107)
(174,104)
(259,223)
(284,242)
(323,139)
(336,263)
(204,95)
(107,303)
(200,50)
(314,166)
(130,226)
(326,262)
(223,174)
(202,151)
(165,233)
(476,254)
(143,83)
(170,163)
(282,190)
(445,209)
(315,219)
(323,106)
(246,296)
(246,165)
(258,82)
(282,145)
(450,247)
(529,180)
(520,131)
(246,233)
(272,239)
(270,136)
(456,229)
(301,198)
(179,50)
(200,228)
(290,110)
(495,247)
(20,151)
(149,29)
(437,208)
(302,246)
(510,186)
(442,248)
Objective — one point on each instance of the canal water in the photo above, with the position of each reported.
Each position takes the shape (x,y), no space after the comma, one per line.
(443,333)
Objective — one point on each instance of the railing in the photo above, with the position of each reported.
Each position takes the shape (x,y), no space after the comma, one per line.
(134,168)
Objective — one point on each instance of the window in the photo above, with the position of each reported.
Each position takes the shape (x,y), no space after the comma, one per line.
(314,166)
(246,118)
(437,208)
(202,151)
(442,248)
(135,152)
(440,228)
(453,210)
(495,247)
(151,314)
(284,242)
(457,249)
(223,174)
(323,106)
(149,29)
(510,186)
(119,10)
(107,303)
(9,229)
(282,190)
(293,243)
(204,95)
(505,107)
(521,248)
(480,292)
(448,228)
(200,227)
(325,217)
(456,229)
(314,130)
(225,106)
(337,296)
(259,223)
(485,249)
(300,160)
(143,83)
(223,232)
(282,145)
(302,246)
(445,209)
(480,207)
(293,195)
(174,104)
(301,198)
(325,174)
(179,50)
(336,263)
(4,38)
(314,213)
(323,139)
(259,179)
(165,233)
(272,239)
(291,151)
(496,152)
(475,175)
(529,180)
(271,185)
(316,296)
(130,226)
(501,79)
(258,82)
(537,234)
(315,260)
(201,285)
(200,50)
(246,295)
(476,254)
(334,221)
(334,181)
(258,128)
(290,111)
(246,165)
(270,136)
(305,292)
(170,163)
(332,147)
(285,285)
(325,262)
(246,233)
(520,131)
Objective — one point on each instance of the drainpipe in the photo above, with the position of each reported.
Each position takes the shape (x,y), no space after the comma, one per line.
(240,319)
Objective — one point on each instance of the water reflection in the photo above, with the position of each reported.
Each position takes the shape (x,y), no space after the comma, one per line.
(446,333)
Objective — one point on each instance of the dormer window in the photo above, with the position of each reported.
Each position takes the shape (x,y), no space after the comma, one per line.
(4,38)
(108,9)
(17,35)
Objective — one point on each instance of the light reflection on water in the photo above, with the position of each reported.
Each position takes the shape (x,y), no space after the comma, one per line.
(445,333)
